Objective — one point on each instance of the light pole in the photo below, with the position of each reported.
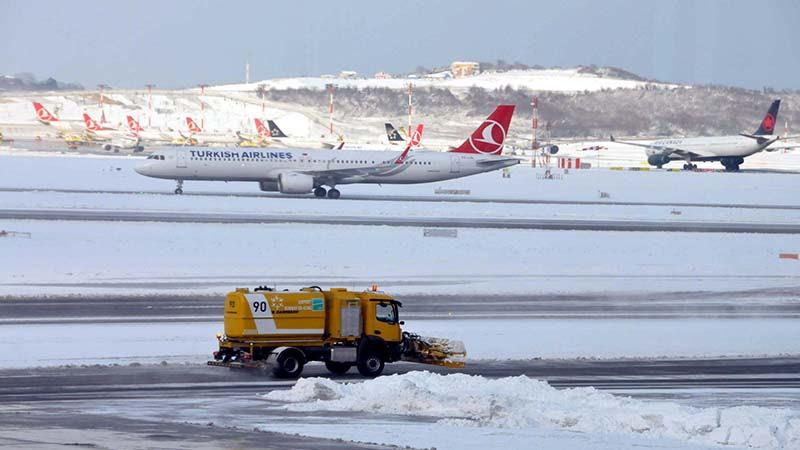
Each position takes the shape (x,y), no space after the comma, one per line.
(150,104)
(330,88)
(202,106)
(102,110)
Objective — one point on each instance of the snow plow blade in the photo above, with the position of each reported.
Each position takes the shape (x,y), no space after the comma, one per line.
(435,351)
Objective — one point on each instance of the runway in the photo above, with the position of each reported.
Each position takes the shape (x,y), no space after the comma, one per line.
(414,198)
(780,303)
(398,221)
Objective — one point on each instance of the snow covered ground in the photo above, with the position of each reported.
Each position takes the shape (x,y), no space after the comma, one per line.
(180,341)
(475,412)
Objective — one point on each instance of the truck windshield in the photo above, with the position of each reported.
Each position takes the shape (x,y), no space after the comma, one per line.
(386,312)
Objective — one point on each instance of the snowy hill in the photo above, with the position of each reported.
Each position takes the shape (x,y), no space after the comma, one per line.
(556,80)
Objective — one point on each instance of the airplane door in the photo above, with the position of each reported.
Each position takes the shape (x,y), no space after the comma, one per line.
(181,158)
(455,164)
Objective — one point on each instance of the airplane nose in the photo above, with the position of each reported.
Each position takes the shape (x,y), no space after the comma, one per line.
(142,168)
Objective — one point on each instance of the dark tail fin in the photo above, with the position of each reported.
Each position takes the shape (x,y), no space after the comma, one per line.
(392,133)
(274,131)
(768,122)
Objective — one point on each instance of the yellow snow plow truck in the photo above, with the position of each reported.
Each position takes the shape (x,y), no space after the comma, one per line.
(282,331)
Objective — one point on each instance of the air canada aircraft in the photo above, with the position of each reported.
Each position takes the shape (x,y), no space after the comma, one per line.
(729,150)
(304,171)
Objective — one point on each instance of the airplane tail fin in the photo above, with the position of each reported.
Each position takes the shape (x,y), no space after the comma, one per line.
(770,119)
(488,138)
(392,133)
(416,138)
(133,125)
(274,131)
(192,125)
(42,114)
(91,125)
(262,130)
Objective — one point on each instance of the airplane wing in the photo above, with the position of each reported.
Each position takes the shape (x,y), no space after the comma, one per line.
(664,149)
(484,162)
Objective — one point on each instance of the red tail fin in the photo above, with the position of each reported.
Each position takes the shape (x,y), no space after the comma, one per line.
(43,114)
(416,138)
(488,138)
(193,127)
(133,124)
(90,123)
(262,130)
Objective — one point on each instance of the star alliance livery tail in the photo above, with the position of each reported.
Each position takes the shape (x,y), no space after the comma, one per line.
(392,133)
(274,131)
(489,137)
(768,122)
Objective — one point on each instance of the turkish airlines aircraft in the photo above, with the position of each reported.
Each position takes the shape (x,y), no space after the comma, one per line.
(202,137)
(729,150)
(150,135)
(44,116)
(114,139)
(305,171)
(273,134)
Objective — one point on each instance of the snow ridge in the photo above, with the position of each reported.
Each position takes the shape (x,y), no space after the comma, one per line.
(523,402)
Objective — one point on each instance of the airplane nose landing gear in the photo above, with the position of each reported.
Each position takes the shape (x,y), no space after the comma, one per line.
(179,188)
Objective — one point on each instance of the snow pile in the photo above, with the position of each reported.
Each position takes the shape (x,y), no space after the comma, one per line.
(522,402)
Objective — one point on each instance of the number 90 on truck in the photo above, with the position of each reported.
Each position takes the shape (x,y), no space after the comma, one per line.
(283,331)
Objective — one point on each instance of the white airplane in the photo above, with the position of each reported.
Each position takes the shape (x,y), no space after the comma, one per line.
(729,150)
(150,135)
(277,138)
(305,171)
(47,118)
(111,138)
(203,137)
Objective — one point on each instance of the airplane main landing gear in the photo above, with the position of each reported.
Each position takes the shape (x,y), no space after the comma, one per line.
(690,166)
(179,188)
(320,192)
(334,193)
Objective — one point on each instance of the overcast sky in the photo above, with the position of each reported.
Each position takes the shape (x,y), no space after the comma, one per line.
(176,43)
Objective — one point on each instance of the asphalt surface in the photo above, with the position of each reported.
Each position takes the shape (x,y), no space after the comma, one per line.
(400,221)
(413,198)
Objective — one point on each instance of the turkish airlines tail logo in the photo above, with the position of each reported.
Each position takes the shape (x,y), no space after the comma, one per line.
(489,137)
(262,130)
(90,123)
(43,114)
(416,138)
(193,127)
(134,126)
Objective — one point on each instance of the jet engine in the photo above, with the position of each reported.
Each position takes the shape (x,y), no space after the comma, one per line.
(552,149)
(657,160)
(295,183)
(268,186)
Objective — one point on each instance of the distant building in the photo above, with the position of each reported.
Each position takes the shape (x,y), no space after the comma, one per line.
(383,75)
(348,74)
(461,69)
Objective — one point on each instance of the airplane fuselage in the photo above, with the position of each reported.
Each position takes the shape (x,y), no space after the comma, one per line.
(266,165)
(711,146)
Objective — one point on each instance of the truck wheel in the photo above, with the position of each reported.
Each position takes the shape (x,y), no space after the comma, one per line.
(337,368)
(288,365)
(371,365)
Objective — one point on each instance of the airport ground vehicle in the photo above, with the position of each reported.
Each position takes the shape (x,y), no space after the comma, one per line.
(282,331)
